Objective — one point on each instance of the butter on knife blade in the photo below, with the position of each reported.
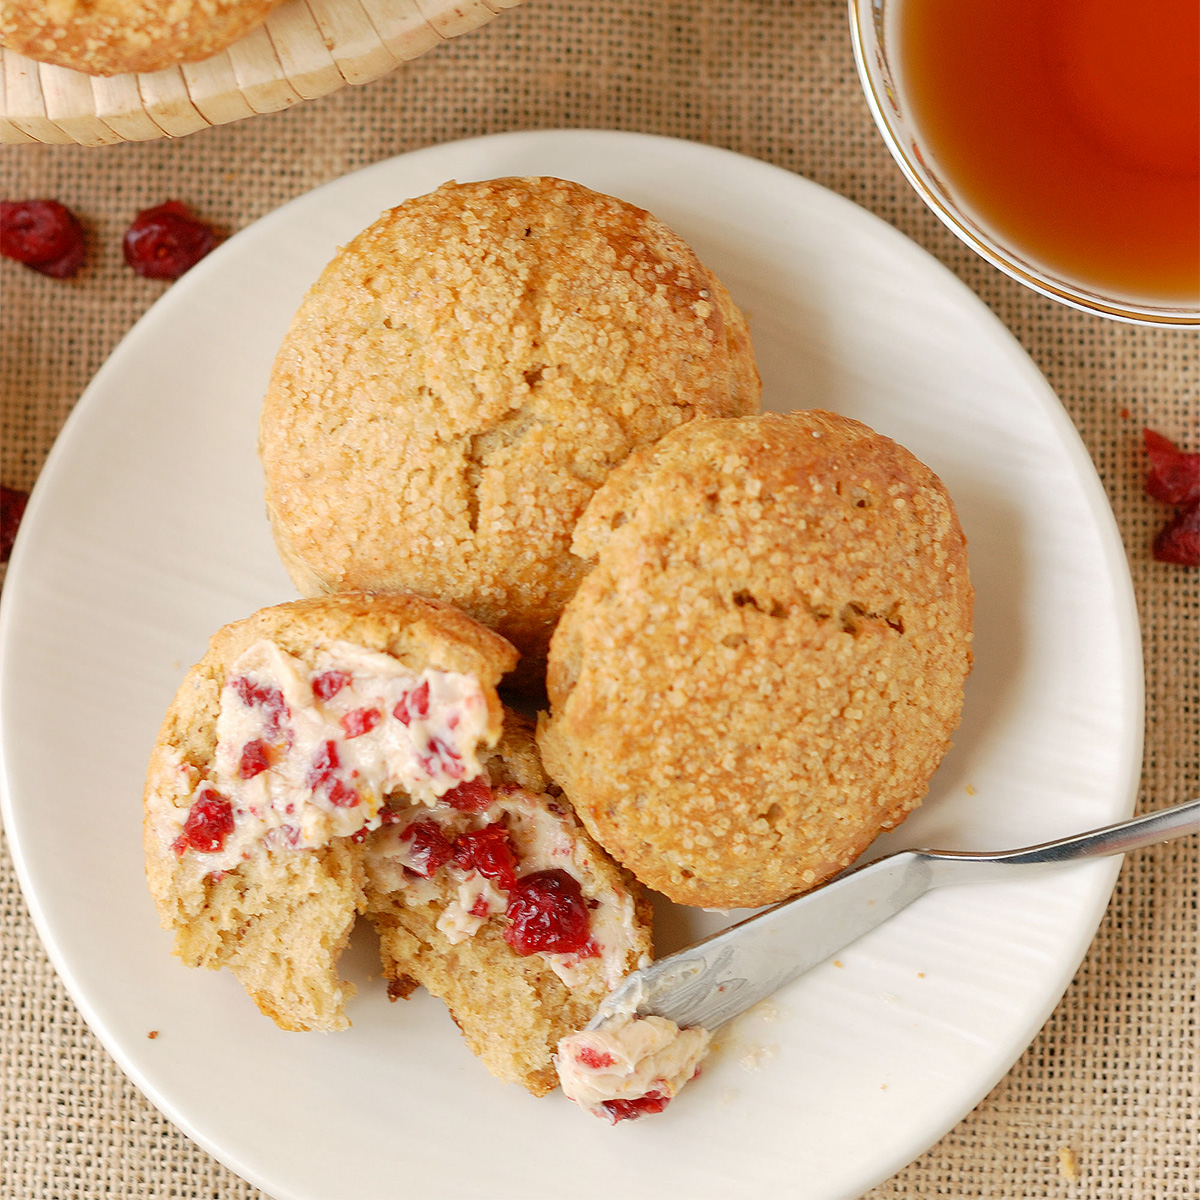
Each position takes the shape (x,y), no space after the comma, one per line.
(706,984)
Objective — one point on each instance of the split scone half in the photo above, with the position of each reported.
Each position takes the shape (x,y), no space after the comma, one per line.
(764,666)
(349,755)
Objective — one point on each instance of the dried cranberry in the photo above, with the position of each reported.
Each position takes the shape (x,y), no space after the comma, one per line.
(596,1059)
(327,685)
(343,795)
(251,694)
(440,759)
(430,849)
(322,777)
(473,796)
(287,835)
(413,704)
(1179,539)
(547,914)
(12,509)
(1174,476)
(630,1110)
(325,762)
(44,235)
(360,721)
(255,759)
(209,822)
(480,907)
(490,852)
(166,241)
(265,696)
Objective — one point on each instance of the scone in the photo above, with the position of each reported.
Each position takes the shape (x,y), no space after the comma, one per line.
(464,375)
(341,755)
(111,37)
(764,665)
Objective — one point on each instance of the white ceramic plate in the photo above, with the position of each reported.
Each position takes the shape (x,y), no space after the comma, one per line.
(146,532)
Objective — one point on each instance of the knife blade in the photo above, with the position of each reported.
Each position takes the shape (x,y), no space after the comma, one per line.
(713,980)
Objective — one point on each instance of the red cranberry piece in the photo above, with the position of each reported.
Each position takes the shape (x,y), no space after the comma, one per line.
(327,685)
(480,907)
(630,1110)
(594,1058)
(44,235)
(1174,476)
(323,778)
(255,759)
(441,759)
(166,241)
(343,795)
(288,835)
(490,852)
(12,509)
(324,766)
(473,796)
(547,914)
(209,822)
(1179,539)
(430,849)
(413,704)
(360,721)
(265,696)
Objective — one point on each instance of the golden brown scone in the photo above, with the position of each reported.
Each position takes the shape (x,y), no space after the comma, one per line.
(464,375)
(764,666)
(512,1008)
(111,37)
(344,755)
(279,916)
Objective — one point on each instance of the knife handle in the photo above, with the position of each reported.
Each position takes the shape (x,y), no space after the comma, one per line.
(950,866)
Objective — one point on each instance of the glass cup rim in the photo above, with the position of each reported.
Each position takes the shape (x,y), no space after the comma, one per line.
(985,246)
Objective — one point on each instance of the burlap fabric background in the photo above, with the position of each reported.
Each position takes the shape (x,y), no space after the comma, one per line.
(1112,1077)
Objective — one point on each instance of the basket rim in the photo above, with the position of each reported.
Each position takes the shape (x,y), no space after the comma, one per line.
(304,49)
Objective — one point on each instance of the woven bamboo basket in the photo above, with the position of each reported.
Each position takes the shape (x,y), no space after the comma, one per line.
(306,48)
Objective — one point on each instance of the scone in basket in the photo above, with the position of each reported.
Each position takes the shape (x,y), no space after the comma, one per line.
(305,49)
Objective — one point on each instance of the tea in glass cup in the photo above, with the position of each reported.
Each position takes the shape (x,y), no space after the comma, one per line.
(1058,138)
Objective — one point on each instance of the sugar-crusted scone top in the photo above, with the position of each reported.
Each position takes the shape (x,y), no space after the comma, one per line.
(464,375)
(766,661)
(111,37)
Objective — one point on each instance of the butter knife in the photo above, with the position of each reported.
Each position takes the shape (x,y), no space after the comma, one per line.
(714,980)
